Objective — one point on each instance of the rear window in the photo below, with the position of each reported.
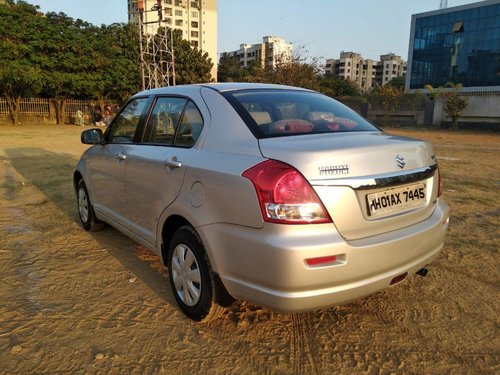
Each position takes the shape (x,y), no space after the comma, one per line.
(274,113)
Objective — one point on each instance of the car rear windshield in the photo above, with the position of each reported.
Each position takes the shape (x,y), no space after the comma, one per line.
(273,113)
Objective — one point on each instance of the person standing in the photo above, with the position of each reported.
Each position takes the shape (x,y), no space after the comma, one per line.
(107,114)
(79,117)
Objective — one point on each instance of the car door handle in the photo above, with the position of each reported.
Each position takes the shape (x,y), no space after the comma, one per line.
(173,163)
(121,156)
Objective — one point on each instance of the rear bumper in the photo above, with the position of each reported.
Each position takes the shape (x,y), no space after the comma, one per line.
(266,266)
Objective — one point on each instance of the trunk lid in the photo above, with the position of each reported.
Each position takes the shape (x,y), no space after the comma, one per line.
(357,174)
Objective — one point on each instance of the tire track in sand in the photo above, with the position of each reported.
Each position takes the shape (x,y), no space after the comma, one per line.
(241,347)
(304,346)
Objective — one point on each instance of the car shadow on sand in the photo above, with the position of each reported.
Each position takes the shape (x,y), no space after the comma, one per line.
(52,173)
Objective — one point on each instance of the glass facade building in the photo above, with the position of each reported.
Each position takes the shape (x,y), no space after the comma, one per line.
(458,45)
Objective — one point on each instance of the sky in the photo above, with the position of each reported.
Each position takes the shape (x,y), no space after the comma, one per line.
(322,28)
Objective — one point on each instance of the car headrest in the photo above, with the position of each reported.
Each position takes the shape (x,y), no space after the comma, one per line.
(261,118)
(192,116)
(315,116)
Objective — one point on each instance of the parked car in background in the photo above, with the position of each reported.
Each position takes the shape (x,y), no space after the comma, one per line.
(272,194)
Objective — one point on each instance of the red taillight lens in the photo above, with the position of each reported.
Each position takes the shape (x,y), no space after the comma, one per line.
(440,182)
(321,261)
(284,194)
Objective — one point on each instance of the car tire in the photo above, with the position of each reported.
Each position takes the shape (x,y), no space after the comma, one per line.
(85,210)
(191,277)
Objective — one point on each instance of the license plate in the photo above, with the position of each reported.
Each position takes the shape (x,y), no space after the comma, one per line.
(397,199)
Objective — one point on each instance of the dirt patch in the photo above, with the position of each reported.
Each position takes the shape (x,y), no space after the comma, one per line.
(75,302)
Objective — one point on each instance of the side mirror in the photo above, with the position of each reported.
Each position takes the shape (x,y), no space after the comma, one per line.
(92,137)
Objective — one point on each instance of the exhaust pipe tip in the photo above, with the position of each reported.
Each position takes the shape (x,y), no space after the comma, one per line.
(423,272)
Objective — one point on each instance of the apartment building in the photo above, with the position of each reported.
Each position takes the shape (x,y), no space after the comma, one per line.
(351,66)
(366,73)
(197,19)
(268,53)
(392,66)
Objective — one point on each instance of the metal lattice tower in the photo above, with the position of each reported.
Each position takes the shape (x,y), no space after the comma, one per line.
(157,59)
(443,4)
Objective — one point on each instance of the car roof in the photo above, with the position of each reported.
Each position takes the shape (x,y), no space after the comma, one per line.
(219,87)
(232,86)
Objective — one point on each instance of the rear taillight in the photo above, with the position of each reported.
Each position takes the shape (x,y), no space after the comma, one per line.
(440,182)
(285,196)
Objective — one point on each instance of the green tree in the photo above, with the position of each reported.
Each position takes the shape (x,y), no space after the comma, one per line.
(398,82)
(433,92)
(455,104)
(19,77)
(191,64)
(295,71)
(60,58)
(257,73)
(18,80)
(389,96)
(68,60)
(230,70)
(337,87)
(115,57)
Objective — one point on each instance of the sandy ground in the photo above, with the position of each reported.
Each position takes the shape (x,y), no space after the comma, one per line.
(73,302)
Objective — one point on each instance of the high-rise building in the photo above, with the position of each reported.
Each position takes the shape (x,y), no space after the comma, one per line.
(366,73)
(392,66)
(351,66)
(197,19)
(459,45)
(268,53)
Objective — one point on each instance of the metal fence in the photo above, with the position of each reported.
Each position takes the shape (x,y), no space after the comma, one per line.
(28,106)
(4,108)
(73,105)
(42,107)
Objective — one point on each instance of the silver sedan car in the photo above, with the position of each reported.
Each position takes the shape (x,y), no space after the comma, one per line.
(272,194)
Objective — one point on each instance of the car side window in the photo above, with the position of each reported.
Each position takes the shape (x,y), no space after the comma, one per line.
(164,120)
(125,125)
(190,126)
(174,121)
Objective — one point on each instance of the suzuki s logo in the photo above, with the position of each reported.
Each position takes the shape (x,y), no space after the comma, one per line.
(400,161)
